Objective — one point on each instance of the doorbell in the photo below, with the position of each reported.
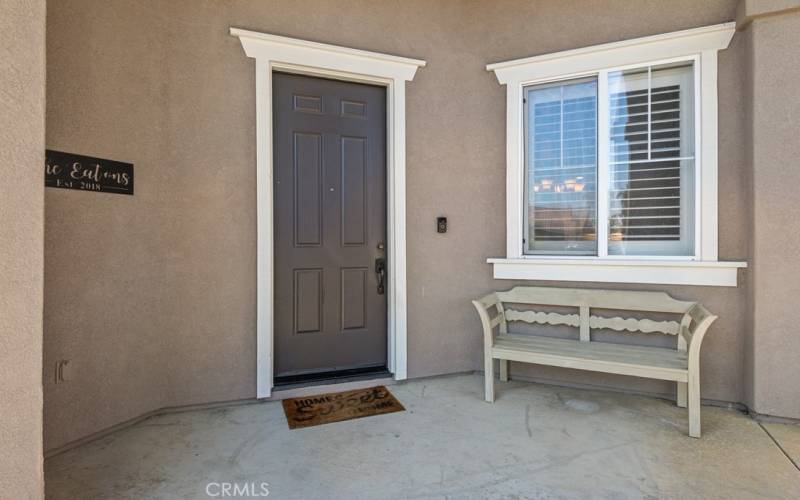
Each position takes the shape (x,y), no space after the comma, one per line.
(441,224)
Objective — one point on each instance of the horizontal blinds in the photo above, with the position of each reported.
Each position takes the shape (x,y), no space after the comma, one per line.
(650,183)
(562,165)
(564,173)
(646,164)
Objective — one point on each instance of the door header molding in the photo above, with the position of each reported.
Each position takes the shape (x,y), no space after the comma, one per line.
(292,55)
(281,49)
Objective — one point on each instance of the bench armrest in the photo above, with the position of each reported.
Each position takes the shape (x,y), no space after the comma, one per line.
(700,319)
(483,306)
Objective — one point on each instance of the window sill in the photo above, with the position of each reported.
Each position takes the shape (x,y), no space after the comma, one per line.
(661,272)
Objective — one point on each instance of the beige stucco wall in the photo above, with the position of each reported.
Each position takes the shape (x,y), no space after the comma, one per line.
(773,43)
(22,74)
(152,297)
(749,10)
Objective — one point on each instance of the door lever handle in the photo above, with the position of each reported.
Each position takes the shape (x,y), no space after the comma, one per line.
(380,271)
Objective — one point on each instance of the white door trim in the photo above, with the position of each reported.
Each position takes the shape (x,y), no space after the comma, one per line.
(317,59)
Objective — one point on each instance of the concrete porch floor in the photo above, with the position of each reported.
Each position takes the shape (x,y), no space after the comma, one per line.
(536,441)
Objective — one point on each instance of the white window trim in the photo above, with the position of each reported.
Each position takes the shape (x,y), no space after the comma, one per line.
(700,45)
(273,52)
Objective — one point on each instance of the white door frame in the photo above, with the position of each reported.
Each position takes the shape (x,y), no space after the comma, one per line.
(318,59)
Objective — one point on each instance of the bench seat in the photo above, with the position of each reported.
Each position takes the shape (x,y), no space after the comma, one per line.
(579,308)
(650,362)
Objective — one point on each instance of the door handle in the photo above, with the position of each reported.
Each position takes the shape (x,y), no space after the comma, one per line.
(380,271)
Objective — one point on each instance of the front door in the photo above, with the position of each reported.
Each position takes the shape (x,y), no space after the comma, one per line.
(330,227)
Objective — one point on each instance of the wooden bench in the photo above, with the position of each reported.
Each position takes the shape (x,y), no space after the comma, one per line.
(681,365)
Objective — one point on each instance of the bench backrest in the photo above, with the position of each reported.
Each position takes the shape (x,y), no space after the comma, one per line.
(586,299)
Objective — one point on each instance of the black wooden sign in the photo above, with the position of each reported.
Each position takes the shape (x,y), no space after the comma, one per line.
(71,171)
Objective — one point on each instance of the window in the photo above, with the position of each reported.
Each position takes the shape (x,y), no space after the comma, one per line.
(612,162)
(649,190)
(651,163)
(561,174)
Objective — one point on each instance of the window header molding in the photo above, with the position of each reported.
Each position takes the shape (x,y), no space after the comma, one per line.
(699,45)
(624,53)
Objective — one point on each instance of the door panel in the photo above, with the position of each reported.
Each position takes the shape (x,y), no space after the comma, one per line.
(307,156)
(330,224)
(354,191)
(354,298)
(308,300)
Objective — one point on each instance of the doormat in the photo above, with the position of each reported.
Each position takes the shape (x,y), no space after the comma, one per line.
(339,406)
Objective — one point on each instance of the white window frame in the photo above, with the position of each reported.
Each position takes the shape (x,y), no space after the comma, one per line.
(703,268)
(292,55)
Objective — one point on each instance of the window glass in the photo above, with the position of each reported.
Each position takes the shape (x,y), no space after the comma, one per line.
(561,168)
(652,163)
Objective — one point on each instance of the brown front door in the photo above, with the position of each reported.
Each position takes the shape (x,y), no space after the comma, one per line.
(330,226)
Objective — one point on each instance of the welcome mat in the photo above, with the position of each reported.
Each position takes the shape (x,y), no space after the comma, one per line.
(339,406)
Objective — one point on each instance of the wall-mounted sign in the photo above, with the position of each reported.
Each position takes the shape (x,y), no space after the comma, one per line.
(70,171)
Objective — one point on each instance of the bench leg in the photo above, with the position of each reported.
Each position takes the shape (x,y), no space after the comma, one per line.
(694,404)
(504,370)
(489,374)
(682,394)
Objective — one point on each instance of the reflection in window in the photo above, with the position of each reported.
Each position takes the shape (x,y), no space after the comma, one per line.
(561,168)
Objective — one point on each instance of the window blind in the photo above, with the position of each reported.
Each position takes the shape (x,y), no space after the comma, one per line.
(651,159)
(562,167)
(649,184)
